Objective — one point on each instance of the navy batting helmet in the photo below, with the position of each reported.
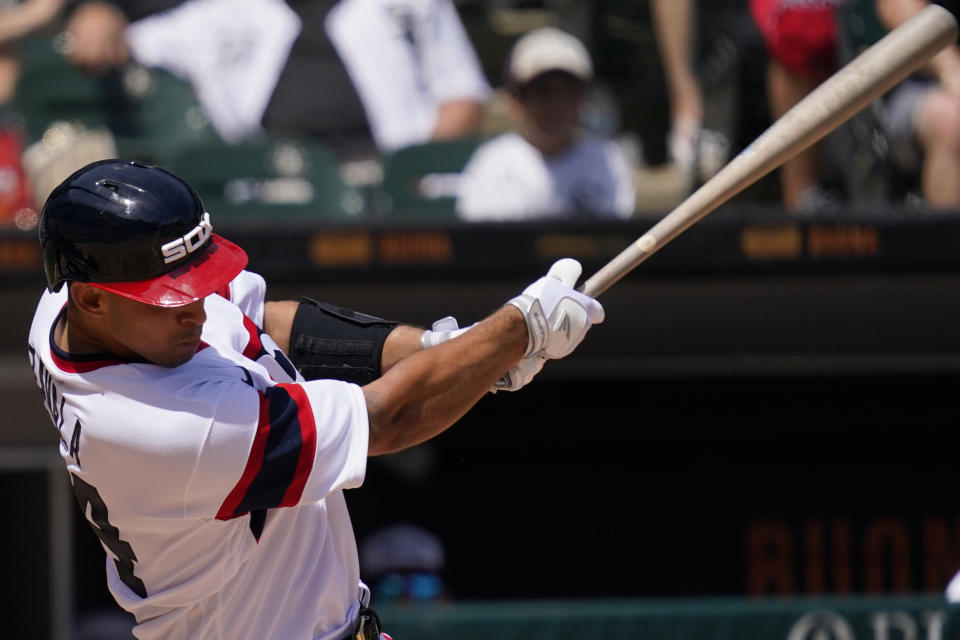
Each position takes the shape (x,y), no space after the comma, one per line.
(136,230)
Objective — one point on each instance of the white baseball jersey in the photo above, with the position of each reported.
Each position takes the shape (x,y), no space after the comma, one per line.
(507,178)
(216,486)
(405,58)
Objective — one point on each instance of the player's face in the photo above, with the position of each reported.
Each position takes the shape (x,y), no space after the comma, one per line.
(167,336)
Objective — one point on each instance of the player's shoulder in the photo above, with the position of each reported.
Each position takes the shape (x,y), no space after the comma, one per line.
(202,388)
(48,309)
(247,292)
(50,303)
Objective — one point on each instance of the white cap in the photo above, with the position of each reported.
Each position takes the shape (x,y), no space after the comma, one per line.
(549,49)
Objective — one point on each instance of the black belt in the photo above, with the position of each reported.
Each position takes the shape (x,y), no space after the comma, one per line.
(367,627)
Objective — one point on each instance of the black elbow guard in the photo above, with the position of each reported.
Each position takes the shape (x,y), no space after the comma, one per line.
(327,341)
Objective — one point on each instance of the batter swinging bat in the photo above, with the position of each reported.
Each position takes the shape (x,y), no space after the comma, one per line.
(840,97)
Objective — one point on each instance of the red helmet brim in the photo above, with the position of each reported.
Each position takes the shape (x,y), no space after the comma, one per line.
(207,273)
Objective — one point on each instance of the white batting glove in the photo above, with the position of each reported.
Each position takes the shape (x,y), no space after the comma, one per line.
(446,329)
(519,375)
(558,317)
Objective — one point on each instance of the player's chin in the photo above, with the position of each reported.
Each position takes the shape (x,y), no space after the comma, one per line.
(177,354)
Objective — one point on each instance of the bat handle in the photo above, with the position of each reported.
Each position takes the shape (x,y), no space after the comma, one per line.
(624,262)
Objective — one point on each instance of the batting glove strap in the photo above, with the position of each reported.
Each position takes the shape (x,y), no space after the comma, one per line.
(532,312)
(521,374)
(443,329)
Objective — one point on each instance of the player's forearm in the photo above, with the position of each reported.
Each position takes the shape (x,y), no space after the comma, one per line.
(424,394)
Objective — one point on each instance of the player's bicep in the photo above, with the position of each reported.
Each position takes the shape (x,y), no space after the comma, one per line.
(278,321)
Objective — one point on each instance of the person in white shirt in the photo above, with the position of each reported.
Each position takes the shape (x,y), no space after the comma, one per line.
(363,76)
(548,168)
(209,433)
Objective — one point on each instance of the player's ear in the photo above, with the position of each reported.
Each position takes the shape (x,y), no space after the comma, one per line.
(87,298)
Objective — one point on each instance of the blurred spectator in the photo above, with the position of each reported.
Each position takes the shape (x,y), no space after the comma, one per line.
(17,20)
(365,76)
(549,167)
(801,43)
(403,563)
(104,624)
(921,115)
(95,32)
(697,151)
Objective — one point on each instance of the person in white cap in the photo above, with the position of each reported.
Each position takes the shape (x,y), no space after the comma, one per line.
(548,167)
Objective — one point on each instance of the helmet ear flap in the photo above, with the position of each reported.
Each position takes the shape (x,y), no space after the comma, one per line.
(51,265)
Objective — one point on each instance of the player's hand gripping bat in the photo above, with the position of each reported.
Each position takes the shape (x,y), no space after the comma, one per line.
(838,98)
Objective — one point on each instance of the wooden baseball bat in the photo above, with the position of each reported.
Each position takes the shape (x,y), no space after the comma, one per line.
(864,79)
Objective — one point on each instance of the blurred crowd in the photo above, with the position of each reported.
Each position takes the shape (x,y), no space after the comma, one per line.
(477,110)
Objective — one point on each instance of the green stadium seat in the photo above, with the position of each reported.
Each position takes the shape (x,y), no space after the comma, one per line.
(272,177)
(149,112)
(167,117)
(420,181)
(49,89)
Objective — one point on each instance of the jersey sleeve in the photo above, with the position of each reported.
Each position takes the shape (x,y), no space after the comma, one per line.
(282,446)
(248,291)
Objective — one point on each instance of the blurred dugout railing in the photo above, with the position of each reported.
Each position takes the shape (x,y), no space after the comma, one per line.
(827,618)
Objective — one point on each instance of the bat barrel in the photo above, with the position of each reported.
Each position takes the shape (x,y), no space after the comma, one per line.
(837,99)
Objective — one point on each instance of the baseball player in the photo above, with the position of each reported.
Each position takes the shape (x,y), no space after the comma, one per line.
(210,469)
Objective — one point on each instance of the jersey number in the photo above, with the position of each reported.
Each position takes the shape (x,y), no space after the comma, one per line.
(109,535)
